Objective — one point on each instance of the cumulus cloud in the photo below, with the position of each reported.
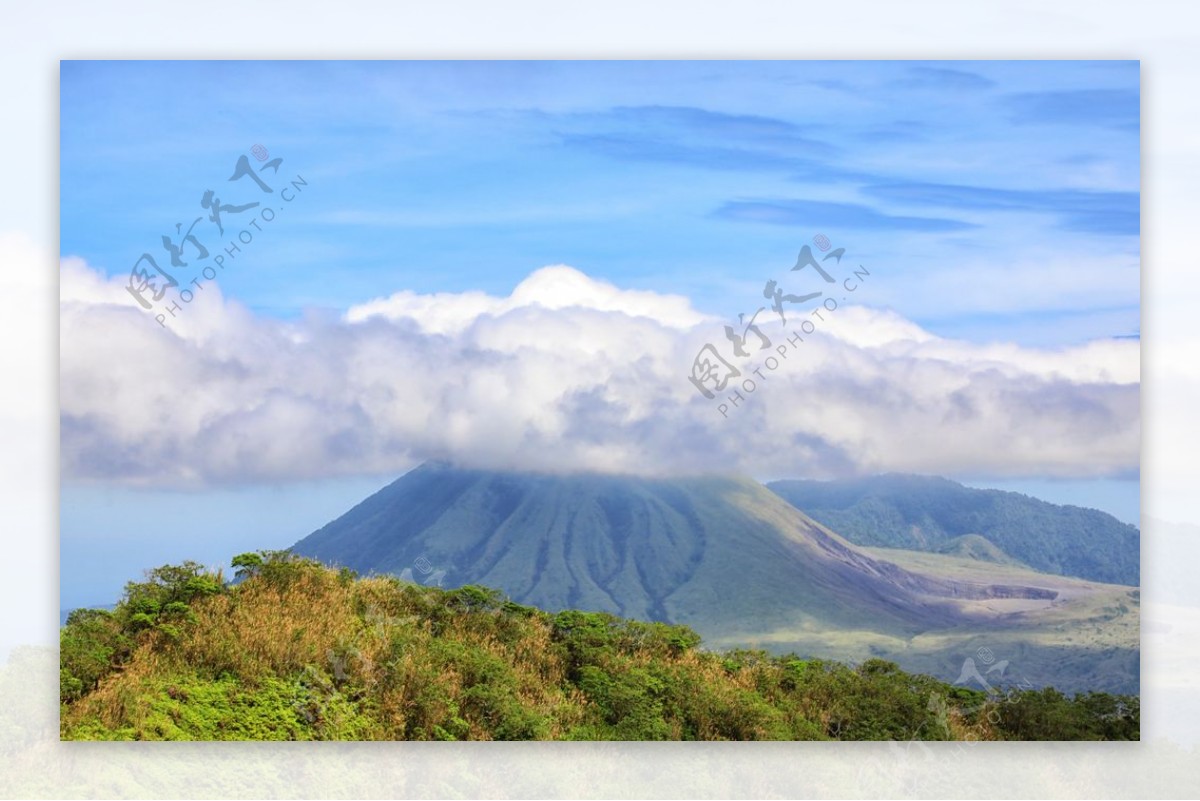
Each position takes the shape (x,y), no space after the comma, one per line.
(565,373)
(557,287)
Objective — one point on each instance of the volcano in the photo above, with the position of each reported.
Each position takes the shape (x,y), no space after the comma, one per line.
(721,554)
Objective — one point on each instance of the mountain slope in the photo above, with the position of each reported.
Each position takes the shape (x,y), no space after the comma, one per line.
(734,561)
(973,546)
(925,513)
(701,550)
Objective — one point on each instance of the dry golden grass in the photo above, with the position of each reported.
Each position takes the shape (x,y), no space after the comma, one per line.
(311,653)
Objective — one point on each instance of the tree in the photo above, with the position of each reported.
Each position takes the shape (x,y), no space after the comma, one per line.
(168,592)
(247,564)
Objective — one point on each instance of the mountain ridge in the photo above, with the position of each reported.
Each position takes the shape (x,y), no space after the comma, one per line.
(731,559)
(925,513)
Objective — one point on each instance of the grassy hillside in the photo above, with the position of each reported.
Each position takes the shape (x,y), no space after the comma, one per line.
(1086,638)
(738,564)
(926,513)
(973,546)
(298,651)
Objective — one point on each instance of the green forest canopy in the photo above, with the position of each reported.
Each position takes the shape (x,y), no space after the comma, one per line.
(298,651)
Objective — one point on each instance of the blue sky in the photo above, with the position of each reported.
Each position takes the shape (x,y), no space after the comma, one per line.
(686,177)
(997,204)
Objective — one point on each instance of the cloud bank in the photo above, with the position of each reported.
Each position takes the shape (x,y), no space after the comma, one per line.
(565,373)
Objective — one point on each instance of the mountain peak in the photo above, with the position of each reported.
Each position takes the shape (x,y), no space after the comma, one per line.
(722,554)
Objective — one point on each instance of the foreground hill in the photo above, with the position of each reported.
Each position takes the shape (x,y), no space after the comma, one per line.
(738,564)
(298,651)
(926,513)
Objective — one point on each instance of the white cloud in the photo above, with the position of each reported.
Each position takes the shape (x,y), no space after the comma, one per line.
(566,373)
(556,287)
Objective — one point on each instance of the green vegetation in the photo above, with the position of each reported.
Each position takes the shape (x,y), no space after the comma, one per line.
(297,651)
(744,568)
(925,513)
